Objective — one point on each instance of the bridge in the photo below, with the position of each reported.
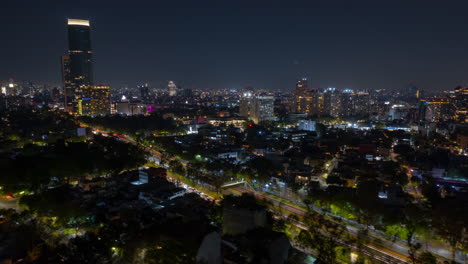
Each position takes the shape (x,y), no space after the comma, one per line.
(232,184)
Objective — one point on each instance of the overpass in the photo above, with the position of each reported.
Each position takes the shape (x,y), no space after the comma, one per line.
(233,183)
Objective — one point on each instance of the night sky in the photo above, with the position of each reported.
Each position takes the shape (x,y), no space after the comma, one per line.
(230,44)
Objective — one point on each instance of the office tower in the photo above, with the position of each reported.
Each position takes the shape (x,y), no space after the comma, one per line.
(77,69)
(354,104)
(244,104)
(144,93)
(81,96)
(262,109)
(319,108)
(257,108)
(300,94)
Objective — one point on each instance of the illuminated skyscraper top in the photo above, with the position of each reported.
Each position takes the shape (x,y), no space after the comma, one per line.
(301,85)
(78,22)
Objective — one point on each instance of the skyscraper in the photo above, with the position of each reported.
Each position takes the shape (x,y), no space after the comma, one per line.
(411,93)
(172,88)
(300,94)
(331,102)
(438,109)
(346,103)
(144,93)
(95,101)
(361,104)
(263,109)
(81,96)
(257,108)
(245,102)
(77,68)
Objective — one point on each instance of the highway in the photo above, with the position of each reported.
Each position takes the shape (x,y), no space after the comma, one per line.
(7,203)
(376,252)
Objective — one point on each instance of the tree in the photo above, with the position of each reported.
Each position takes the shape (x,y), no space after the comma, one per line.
(335,179)
(322,235)
(366,200)
(413,246)
(54,203)
(449,221)
(279,225)
(405,151)
(262,168)
(426,258)
(176,166)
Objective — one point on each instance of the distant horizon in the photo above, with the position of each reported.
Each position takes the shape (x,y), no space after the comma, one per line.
(363,46)
(162,85)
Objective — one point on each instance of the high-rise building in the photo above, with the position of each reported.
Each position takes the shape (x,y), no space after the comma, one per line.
(144,93)
(331,102)
(245,102)
(354,104)
(346,103)
(12,88)
(459,99)
(263,109)
(361,104)
(77,68)
(313,102)
(172,88)
(81,96)
(257,108)
(411,94)
(438,109)
(97,100)
(300,96)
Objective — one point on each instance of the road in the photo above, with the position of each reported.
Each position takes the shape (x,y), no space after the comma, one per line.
(7,203)
(384,254)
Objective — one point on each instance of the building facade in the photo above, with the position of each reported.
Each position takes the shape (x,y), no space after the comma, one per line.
(98,100)
(302,98)
(257,108)
(459,99)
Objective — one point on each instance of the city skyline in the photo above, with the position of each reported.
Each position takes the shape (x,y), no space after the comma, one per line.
(225,46)
(236,132)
